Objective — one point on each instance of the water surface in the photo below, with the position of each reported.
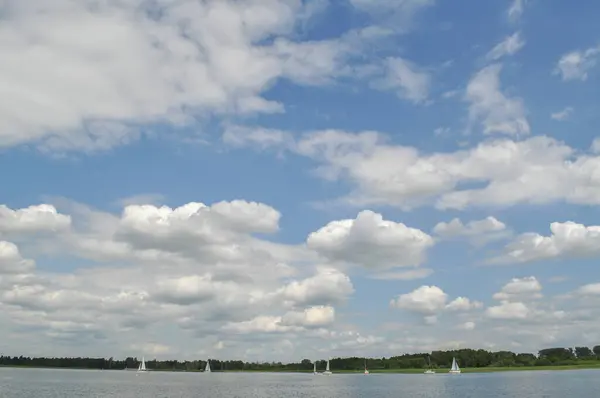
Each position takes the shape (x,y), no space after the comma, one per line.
(56,383)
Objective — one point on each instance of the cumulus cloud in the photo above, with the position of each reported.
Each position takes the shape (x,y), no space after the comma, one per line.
(497,112)
(479,230)
(371,242)
(431,300)
(328,286)
(196,267)
(498,172)
(427,300)
(568,239)
(11,261)
(591,289)
(508,310)
(519,289)
(40,218)
(576,65)
(463,304)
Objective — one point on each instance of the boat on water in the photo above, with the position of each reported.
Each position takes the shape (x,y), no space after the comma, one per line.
(454,369)
(142,367)
(207,368)
(366,370)
(327,372)
(315,368)
(429,370)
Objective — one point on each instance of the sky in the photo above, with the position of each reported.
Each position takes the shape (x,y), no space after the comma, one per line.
(273,180)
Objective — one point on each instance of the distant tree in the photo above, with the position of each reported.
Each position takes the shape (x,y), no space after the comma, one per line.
(583,352)
(557,354)
(596,349)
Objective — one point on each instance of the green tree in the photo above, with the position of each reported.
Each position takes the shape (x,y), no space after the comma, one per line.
(583,352)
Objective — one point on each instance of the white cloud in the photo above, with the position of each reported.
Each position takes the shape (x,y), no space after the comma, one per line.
(591,289)
(195,268)
(509,46)
(508,310)
(498,172)
(318,316)
(489,105)
(41,218)
(93,90)
(455,228)
(328,286)
(406,79)
(568,239)
(519,289)
(11,262)
(371,242)
(562,115)
(595,147)
(467,326)
(515,11)
(409,275)
(260,139)
(463,304)
(576,64)
(431,300)
(427,300)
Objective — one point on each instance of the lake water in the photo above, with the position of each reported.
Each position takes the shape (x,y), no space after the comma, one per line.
(50,383)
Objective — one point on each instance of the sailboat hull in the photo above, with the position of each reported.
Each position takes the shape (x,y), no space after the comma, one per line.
(454,372)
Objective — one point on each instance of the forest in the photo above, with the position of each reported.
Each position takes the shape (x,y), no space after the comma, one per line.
(467,358)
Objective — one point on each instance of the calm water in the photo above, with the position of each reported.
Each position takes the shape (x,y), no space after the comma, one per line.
(42,383)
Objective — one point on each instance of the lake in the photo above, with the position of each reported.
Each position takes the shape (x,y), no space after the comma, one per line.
(51,383)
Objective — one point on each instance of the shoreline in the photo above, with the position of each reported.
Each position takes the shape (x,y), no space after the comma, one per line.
(371,371)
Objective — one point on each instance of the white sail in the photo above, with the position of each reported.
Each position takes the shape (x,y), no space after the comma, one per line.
(207,368)
(142,367)
(454,368)
(315,367)
(366,370)
(327,371)
(429,370)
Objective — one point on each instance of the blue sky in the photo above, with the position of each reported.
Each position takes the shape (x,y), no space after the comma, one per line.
(330,140)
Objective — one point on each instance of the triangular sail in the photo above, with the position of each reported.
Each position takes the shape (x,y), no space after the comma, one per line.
(454,365)
(143,364)
(327,368)
(314,367)
(207,368)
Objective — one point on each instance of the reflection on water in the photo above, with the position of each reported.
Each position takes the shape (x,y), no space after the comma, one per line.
(36,383)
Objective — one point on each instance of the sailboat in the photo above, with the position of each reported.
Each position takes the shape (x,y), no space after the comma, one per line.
(142,367)
(207,368)
(429,371)
(315,368)
(366,370)
(454,369)
(327,371)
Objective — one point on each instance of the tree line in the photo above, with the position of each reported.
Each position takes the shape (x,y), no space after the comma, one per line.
(467,358)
